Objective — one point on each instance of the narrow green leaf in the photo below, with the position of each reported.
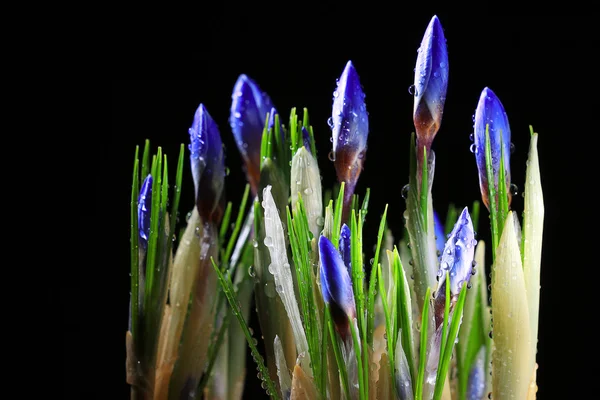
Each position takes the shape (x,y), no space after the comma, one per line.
(475,215)
(388,324)
(238,223)
(324,367)
(404,311)
(338,353)
(225,222)
(227,287)
(145,161)
(362,383)
(423,350)
(444,364)
(337,216)
(373,281)
(451,218)
(177,191)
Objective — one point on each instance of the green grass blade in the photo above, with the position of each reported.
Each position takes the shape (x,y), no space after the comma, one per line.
(145,160)
(403,314)
(444,363)
(502,190)
(388,325)
(338,353)
(451,218)
(423,350)
(324,367)
(177,190)
(373,280)
(362,382)
(238,224)
(225,222)
(227,287)
(337,217)
(135,279)
(475,215)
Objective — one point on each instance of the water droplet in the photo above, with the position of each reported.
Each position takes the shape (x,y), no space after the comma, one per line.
(442,65)
(371,261)
(473,148)
(251,271)
(330,122)
(404,191)
(335,94)
(245,145)
(469,285)
(472,137)
(512,148)
(268,241)
(436,74)
(331,139)
(331,156)
(279,289)
(412,89)
(320,221)
(491,334)
(237,114)
(254,243)
(308,191)
(514,189)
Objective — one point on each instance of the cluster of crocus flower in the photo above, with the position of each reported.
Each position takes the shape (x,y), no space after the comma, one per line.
(414,323)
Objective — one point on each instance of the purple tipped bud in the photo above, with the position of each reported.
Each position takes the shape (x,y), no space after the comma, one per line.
(306,140)
(350,128)
(440,235)
(144,209)
(490,112)
(476,382)
(458,254)
(249,109)
(344,246)
(431,84)
(208,165)
(336,286)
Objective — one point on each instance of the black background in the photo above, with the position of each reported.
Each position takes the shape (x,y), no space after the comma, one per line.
(539,66)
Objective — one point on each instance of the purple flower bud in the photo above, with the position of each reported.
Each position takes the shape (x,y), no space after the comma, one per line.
(208,165)
(336,286)
(431,84)
(457,257)
(144,209)
(476,382)
(440,235)
(350,128)
(306,140)
(344,246)
(490,112)
(249,109)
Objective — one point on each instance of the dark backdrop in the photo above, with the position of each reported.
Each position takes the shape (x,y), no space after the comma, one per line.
(537,65)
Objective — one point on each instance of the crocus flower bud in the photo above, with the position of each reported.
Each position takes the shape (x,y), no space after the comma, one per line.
(249,109)
(350,128)
(336,286)
(144,209)
(431,84)
(208,165)
(490,112)
(440,236)
(458,254)
(344,246)
(306,139)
